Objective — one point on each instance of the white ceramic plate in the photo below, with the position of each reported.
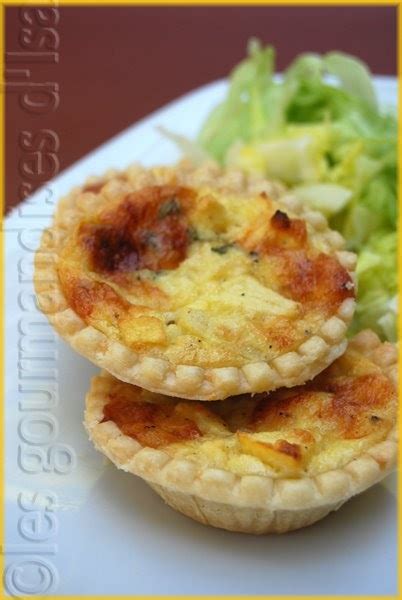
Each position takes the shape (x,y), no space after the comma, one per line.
(76,525)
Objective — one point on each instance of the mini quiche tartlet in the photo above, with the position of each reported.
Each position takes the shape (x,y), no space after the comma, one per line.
(260,464)
(196,282)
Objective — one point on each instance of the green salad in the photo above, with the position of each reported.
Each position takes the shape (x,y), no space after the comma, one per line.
(320,131)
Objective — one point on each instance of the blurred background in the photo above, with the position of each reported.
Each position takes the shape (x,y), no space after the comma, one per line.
(115,65)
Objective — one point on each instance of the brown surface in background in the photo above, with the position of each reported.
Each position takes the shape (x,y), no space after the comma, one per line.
(118,64)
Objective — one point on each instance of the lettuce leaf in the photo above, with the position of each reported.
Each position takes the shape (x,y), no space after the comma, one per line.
(378,285)
(320,131)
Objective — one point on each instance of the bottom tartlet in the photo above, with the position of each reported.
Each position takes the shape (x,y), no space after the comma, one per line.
(263,463)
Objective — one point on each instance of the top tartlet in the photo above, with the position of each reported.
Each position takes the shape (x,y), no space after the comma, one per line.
(196,282)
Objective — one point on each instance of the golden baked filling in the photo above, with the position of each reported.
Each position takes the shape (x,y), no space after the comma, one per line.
(294,432)
(148,229)
(201,278)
